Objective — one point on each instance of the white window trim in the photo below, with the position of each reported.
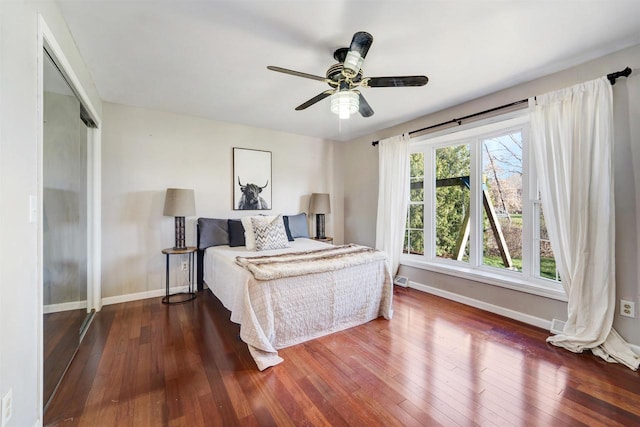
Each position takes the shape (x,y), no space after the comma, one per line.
(523,281)
(550,289)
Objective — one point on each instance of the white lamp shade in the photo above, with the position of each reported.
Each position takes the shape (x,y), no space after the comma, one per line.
(179,202)
(320,203)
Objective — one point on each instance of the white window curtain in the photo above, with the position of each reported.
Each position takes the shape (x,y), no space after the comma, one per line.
(393,192)
(572,138)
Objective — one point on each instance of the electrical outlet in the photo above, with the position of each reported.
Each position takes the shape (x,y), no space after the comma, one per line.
(185,266)
(627,308)
(7,403)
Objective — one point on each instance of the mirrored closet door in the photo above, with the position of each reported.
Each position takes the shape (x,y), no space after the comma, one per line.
(64,227)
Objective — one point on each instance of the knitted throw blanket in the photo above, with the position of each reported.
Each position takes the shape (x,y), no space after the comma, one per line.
(290,264)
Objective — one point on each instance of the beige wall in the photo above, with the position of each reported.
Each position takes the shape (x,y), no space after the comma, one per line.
(20,293)
(360,188)
(145,151)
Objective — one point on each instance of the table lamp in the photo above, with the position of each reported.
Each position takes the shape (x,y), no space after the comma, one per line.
(179,203)
(319,205)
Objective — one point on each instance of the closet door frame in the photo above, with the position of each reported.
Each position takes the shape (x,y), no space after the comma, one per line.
(46,40)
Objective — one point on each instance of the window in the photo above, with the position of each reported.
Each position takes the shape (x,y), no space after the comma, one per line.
(452,201)
(502,200)
(474,207)
(414,230)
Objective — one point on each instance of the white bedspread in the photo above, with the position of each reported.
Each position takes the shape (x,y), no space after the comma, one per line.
(279,313)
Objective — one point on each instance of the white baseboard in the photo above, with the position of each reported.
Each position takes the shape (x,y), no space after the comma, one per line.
(506,312)
(65,306)
(511,314)
(142,295)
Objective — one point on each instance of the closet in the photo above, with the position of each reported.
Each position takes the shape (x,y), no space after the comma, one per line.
(65,231)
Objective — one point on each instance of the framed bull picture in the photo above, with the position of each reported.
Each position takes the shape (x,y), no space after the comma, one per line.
(251,179)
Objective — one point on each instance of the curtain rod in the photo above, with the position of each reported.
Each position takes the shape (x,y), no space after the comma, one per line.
(612,79)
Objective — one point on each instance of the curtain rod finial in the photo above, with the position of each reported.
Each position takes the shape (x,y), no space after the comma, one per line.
(613,76)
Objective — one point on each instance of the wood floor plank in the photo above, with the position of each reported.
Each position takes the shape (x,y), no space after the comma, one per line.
(436,363)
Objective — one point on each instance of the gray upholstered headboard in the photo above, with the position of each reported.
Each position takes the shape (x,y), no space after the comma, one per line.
(209,232)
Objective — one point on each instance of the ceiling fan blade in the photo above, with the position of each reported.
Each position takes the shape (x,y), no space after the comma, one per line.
(358,49)
(296,73)
(315,99)
(365,108)
(395,81)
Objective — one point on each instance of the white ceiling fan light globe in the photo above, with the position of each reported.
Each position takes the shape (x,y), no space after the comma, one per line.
(352,63)
(344,104)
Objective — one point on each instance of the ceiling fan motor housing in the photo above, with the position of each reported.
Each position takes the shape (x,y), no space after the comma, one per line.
(334,73)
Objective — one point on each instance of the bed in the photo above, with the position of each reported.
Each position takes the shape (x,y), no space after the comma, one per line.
(282,297)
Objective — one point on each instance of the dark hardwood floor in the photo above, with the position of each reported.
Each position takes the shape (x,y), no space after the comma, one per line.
(436,362)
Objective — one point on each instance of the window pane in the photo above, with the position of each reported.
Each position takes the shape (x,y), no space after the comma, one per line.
(414,234)
(547,262)
(405,247)
(416,216)
(502,201)
(452,201)
(416,242)
(417,177)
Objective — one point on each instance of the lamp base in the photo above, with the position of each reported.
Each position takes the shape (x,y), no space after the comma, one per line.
(320,226)
(180,234)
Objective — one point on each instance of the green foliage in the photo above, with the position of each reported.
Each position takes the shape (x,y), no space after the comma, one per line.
(548,268)
(417,177)
(452,202)
(496,261)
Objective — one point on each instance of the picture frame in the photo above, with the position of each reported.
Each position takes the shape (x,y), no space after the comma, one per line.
(252,184)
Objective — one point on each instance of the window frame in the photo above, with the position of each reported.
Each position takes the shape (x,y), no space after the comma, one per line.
(473,134)
(410,203)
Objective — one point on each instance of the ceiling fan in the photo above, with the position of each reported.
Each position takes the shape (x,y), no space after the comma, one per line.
(346,77)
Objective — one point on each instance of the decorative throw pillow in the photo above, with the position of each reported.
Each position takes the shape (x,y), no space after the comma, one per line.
(236,233)
(249,236)
(269,234)
(213,232)
(298,225)
(285,219)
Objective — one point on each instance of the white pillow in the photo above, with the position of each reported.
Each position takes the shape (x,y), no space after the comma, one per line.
(249,235)
(269,234)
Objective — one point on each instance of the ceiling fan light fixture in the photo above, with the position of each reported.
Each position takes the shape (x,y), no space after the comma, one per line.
(358,49)
(345,103)
(346,77)
(352,64)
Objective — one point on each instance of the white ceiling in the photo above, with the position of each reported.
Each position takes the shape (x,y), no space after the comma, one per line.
(209,58)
